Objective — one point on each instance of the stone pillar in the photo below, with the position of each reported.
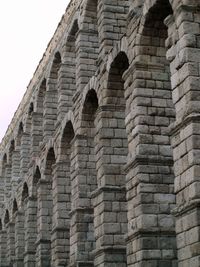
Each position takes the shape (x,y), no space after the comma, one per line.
(112,19)
(66,84)
(185,58)
(44,224)
(3,249)
(86,56)
(109,199)
(61,208)
(19,239)
(82,241)
(10,250)
(150,178)
(30,211)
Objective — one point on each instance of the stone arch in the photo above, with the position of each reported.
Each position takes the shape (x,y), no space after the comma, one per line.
(19,134)
(115,93)
(6,217)
(36,179)
(14,206)
(52,96)
(31,109)
(40,97)
(25,192)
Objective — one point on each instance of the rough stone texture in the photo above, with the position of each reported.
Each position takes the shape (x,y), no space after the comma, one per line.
(100,164)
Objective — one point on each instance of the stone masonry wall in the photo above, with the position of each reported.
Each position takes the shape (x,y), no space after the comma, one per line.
(100,164)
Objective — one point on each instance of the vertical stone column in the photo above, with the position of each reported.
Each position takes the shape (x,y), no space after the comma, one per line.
(66,83)
(150,177)
(44,224)
(61,208)
(81,225)
(3,249)
(86,56)
(111,23)
(30,222)
(109,199)
(10,229)
(185,59)
(19,239)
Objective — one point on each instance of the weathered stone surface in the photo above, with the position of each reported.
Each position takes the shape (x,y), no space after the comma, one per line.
(100,164)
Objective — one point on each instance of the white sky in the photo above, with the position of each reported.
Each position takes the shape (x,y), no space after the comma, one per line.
(26,27)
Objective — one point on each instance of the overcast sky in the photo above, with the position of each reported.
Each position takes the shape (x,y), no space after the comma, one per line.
(26,27)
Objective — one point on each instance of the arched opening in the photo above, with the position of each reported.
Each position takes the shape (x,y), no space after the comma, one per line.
(25,192)
(52,96)
(7,217)
(15,207)
(112,152)
(115,94)
(31,109)
(19,134)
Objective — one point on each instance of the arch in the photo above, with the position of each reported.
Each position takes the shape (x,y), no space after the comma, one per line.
(41,97)
(51,97)
(19,134)
(50,161)
(31,109)
(25,192)
(15,206)
(115,86)
(6,217)
(4,162)
(67,136)
(74,29)
(36,176)
(90,103)
(11,150)
(55,66)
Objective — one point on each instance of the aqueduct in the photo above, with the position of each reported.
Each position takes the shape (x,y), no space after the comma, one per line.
(100,164)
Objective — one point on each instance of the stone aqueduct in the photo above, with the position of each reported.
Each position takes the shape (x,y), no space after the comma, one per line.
(100,164)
